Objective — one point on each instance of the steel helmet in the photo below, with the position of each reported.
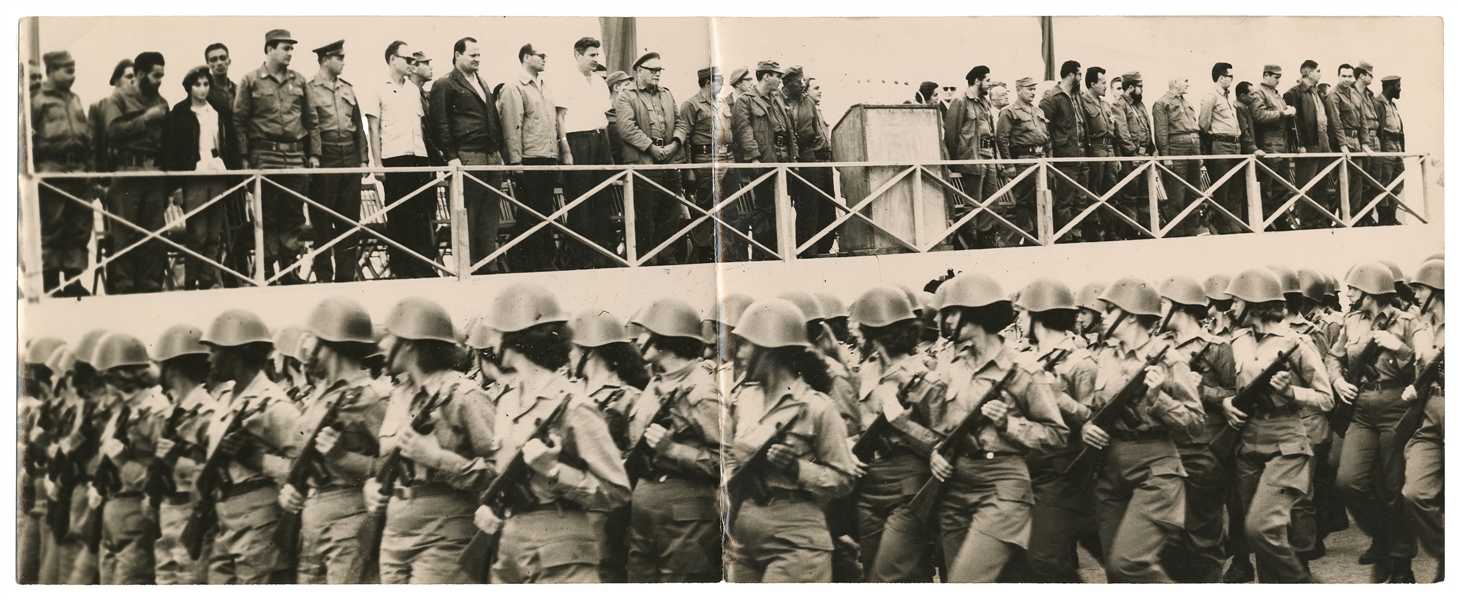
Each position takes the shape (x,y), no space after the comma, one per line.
(1331,285)
(807,304)
(40,349)
(340,319)
(927,300)
(1132,295)
(286,341)
(61,361)
(670,317)
(1046,294)
(1430,274)
(834,308)
(522,305)
(773,323)
(970,290)
(420,319)
(1183,290)
(120,350)
(236,327)
(179,340)
(1313,284)
(1372,278)
(1290,281)
(728,309)
(881,306)
(1215,286)
(1396,272)
(591,328)
(86,346)
(1088,296)
(1256,286)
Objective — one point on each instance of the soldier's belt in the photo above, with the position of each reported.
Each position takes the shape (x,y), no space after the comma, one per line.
(559,506)
(782,140)
(1021,151)
(247,487)
(1224,137)
(1139,436)
(977,454)
(702,149)
(276,146)
(133,160)
(424,490)
(1280,412)
(1382,386)
(987,143)
(784,495)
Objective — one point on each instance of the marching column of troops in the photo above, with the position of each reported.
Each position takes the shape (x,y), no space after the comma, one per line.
(960,433)
(276,118)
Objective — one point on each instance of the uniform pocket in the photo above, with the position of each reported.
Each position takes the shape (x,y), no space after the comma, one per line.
(568,552)
(1015,491)
(696,509)
(1294,449)
(1167,469)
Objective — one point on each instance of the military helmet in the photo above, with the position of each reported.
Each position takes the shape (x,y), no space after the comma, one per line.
(1430,274)
(1215,286)
(40,349)
(881,306)
(236,327)
(1183,290)
(1088,296)
(1313,284)
(670,317)
(806,303)
(1290,281)
(86,346)
(522,305)
(179,340)
(728,309)
(1045,294)
(832,305)
(420,319)
(61,361)
(773,323)
(1331,286)
(120,350)
(591,328)
(1396,271)
(1132,295)
(1256,286)
(970,290)
(286,341)
(1372,278)
(340,319)
(927,300)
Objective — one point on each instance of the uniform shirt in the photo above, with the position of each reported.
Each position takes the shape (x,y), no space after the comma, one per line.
(59,123)
(463,418)
(1098,118)
(970,131)
(401,113)
(586,100)
(147,411)
(1020,124)
(338,108)
(528,118)
(1173,117)
(1217,113)
(758,120)
(223,93)
(1071,380)
(1390,121)
(1351,125)
(817,439)
(1065,120)
(1353,336)
(126,132)
(96,119)
(1174,406)
(1033,422)
(275,110)
(1371,121)
(271,419)
(614,400)
(921,392)
(644,117)
(707,123)
(1253,352)
(809,135)
(591,474)
(1429,340)
(1213,370)
(360,413)
(692,447)
(1271,119)
(1131,127)
(200,408)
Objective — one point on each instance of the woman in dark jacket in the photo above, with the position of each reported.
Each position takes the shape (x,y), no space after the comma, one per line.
(185,147)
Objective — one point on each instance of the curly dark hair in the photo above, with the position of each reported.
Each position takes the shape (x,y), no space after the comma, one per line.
(1266,312)
(548,344)
(624,361)
(804,363)
(899,338)
(992,318)
(682,347)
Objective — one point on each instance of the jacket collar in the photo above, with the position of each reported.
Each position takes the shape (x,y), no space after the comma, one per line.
(460,79)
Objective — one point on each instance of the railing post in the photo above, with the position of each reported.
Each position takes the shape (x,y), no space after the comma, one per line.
(630,220)
(31,259)
(1345,178)
(918,212)
(260,258)
(1044,205)
(1255,206)
(784,220)
(460,237)
(1153,184)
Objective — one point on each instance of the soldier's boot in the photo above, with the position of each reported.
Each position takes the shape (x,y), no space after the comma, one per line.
(1240,570)
(1382,569)
(1375,551)
(1402,571)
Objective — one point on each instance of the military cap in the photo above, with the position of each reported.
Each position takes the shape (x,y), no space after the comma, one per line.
(1365,66)
(1132,78)
(645,58)
(738,75)
(795,71)
(420,57)
(709,72)
(1392,79)
(328,49)
(57,59)
(616,78)
(769,65)
(279,35)
(1275,69)
(1027,82)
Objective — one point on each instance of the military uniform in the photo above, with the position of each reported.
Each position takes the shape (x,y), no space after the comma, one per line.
(1391,138)
(134,141)
(1352,114)
(1098,119)
(1423,486)
(1022,132)
(62,144)
(1199,555)
(813,205)
(1069,138)
(343,143)
(174,566)
(707,122)
(1133,138)
(648,118)
(763,132)
(614,400)
(1177,133)
(126,544)
(970,135)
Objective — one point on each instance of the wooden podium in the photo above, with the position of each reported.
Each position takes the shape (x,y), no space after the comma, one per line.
(900,133)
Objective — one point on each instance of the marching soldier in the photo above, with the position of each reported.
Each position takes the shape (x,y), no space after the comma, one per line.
(763,133)
(1022,132)
(969,135)
(94,406)
(62,144)
(342,143)
(1423,487)
(1089,323)
(723,318)
(184,372)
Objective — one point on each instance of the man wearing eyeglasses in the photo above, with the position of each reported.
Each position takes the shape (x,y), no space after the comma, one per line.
(531,120)
(652,134)
(1220,127)
(397,134)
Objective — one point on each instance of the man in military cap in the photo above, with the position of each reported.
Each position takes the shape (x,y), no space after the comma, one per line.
(123,78)
(1133,138)
(1068,132)
(1022,132)
(707,120)
(342,144)
(62,143)
(1391,139)
(422,75)
(615,81)
(1386,211)
(1177,133)
(969,135)
(652,134)
(467,129)
(134,132)
(278,129)
(813,210)
(763,133)
(1275,133)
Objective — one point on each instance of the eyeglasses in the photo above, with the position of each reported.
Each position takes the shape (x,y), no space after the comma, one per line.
(652,70)
(408,60)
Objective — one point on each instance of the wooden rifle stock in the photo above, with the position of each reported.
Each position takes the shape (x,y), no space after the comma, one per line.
(639,460)
(747,481)
(926,498)
(204,515)
(1083,466)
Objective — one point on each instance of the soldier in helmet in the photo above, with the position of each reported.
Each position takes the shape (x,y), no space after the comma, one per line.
(984,513)
(253,451)
(723,317)
(1089,324)
(288,364)
(1273,457)
(897,412)
(1198,557)
(1374,495)
(779,532)
(1140,492)
(446,465)
(1061,512)
(1423,488)
(843,385)
(184,371)
(1218,321)
(576,470)
(675,533)
(338,335)
(38,411)
(94,406)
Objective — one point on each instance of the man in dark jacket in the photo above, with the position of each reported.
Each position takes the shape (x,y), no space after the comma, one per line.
(187,146)
(1069,138)
(1314,133)
(133,132)
(467,130)
(970,134)
(652,134)
(763,133)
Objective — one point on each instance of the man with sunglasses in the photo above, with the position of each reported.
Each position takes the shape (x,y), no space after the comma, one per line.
(396,114)
(652,134)
(532,123)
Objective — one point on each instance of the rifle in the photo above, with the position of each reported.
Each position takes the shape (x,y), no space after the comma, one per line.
(160,483)
(746,482)
(1086,463)
(926,498)
(65,471)
(1358,370)
(510,490)
(107,481)
(372,530)
(209,480)
(1249,400)
(309,463)
(874,440)
(1412,418)
(639,460)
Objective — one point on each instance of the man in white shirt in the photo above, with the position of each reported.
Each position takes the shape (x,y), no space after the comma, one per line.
(584,94)
(1221,130)
(396,117)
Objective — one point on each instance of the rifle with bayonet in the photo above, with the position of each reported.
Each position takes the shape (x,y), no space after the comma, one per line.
(1358,370)
(926,498)
(1252,399)
(1086,463)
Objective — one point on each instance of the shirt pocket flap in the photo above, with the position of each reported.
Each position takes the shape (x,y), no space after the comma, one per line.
(1294,449)
(757,110)
(697,509)
(1015,491)
(568,552)
(348,96)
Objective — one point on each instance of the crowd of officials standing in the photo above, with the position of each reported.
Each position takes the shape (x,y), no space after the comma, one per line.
(957,433)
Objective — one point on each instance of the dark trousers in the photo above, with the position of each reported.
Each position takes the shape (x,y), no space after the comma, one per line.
(205,230)
(1306,170)
(1230,195)
(1024,212)
(143,202)
(65,225)
(1199,554)
(1189,171)
(762,211)
(340,193)
(1133,201)
(283,212)
(676,532)
(1102,176)
(1373,493)
(1061,513)
(534,189)
(658,213)
(730,246)
(593,219)
(1387,171)
(813,207)
(1068,200)
(980,182)
(893,541)
(483,208)
(409,223)
(711,241)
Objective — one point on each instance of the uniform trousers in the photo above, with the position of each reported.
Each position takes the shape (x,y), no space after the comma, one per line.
(984,513)
(1185,178)
(658,213)
(1201,553)
(327,542)
(142,202)
(676,532)
(1060,511)
(1231,194)
(1388,169)
(174,565)
(1374,495)
(78,563)
(594,217)
(981,182)
(205,230)
(613,530)
(555,545)
(1423,488)
(283,211)
(65,223)
(814,208)
(28,536)
(1068,199)
(340,193)
(712,241)
(893,540)
(1273,472)
(409,223)
(1102,176)
(1306,170)
(1140,501)
(784,541)
(534,189)
(243,550)
(483,207)
(126,547)
(1024,212)
(424,537)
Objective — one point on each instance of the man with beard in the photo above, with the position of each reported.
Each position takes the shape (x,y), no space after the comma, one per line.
(134,133)
(652,135)
(1132,135)
(184,375)
(812,197)
(123,78)
(62,144)
(1391,139)
(970,135)
(1177,133)
(1068,131)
